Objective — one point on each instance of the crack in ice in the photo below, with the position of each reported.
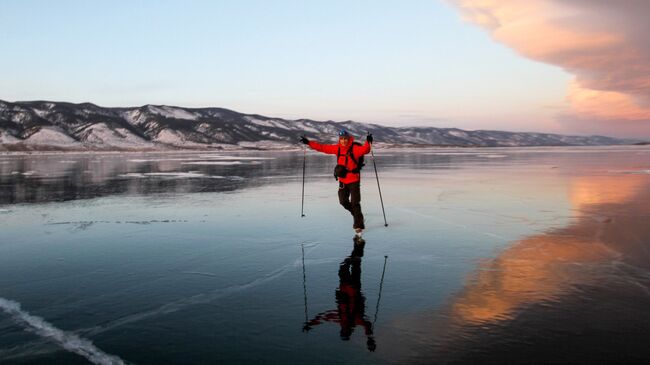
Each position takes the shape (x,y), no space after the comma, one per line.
(66,340)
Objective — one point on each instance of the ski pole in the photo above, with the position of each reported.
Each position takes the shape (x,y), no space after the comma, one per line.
(378,187)
(381,286)
(304,162)
(304,287)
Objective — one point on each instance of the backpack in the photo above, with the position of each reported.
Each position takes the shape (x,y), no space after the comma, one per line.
(341,170)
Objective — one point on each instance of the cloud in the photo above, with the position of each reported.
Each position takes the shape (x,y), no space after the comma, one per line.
(603,43)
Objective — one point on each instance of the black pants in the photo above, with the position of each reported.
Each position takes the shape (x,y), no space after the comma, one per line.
(350,199)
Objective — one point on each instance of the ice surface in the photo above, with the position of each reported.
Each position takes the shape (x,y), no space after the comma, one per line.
(268,144)
(167,174)
(531,255)
(233,157)
(215,163)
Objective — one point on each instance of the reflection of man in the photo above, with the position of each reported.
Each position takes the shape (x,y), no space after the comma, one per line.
(351,304)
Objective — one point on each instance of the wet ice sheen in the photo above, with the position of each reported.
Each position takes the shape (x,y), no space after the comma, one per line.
(493,256)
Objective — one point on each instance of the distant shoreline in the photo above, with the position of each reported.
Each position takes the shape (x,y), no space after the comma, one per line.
(297,148)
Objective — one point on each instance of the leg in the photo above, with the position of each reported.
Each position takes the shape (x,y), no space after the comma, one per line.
(355,202)
(344,197)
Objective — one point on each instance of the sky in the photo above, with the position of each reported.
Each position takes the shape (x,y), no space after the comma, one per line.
(562,66)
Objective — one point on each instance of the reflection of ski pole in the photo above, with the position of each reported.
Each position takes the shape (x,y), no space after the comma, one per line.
(378,187)
(304,287)
(304,162)
(381,286)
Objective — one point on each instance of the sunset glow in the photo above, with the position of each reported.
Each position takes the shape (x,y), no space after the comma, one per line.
(602,43)
(568,67)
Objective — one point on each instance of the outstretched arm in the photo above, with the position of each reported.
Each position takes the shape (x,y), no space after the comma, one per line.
(330,149)
(328,316)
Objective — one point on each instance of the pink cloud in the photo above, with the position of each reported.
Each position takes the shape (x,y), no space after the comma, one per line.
(604,43)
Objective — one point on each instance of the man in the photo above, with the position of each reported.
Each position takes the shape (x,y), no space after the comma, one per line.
(347,171)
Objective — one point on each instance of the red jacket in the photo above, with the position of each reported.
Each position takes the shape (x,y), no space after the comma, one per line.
(333,149)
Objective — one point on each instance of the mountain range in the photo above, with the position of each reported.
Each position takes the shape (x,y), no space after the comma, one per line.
(47,125)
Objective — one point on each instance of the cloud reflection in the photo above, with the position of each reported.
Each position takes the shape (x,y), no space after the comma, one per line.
(544,267)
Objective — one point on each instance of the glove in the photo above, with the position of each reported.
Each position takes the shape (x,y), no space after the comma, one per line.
(369,138)
(304,140)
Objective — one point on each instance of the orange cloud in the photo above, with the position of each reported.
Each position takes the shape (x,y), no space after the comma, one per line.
(606,104)
(603,43)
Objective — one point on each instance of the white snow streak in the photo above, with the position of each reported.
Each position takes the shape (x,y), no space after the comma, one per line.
(175,138)
(167,174)
(8,138)
(178,175)
(458,134)
(220,157)
(68,341)
(101,134)
(493,156)
(221,163)
(268,123)
(171,112)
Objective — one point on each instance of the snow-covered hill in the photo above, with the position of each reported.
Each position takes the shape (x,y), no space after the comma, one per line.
(38,125)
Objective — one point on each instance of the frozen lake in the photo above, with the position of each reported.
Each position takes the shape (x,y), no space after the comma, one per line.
(491,256)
